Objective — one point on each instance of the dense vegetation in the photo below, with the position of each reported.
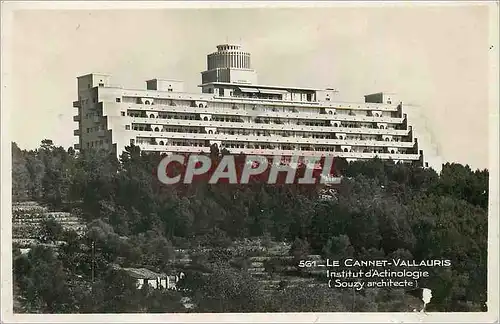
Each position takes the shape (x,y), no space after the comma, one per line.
(381,209)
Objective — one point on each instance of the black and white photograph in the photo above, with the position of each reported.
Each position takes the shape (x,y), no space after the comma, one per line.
(249,161)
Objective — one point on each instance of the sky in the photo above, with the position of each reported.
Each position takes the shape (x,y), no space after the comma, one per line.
(435,57)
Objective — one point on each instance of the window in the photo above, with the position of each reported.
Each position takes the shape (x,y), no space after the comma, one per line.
(157,129)
(93,100)
(151,116)
(127,127)
(161,143)
(170,90)
(132,142)
(146,102)
(118,99)
(101,84)
(123,113)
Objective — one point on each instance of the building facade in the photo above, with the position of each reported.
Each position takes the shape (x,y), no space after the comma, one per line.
(237,113)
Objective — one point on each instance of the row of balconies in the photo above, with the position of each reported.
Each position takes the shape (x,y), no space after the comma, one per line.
(272,152)
(222,131)
(343,148)
(258,120)
(381,128)
(144,96)
(298,115)
(219,101)
(273,139)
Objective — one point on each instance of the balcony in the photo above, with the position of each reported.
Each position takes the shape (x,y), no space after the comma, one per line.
(262,126)
(214,110)
(76,104)
(272,139)
(76,118)
(272,152)
(76,132)
(76,146)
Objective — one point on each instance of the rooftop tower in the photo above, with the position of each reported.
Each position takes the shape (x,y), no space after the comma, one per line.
(230,64)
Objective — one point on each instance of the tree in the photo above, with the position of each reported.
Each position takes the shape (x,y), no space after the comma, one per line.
(309,299)
(382,210)
(119,293)
(228,290)
(42,281)
(338,247)
(51,230)
(20,175)
(300,249)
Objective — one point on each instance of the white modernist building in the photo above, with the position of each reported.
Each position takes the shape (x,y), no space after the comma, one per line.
(236,113)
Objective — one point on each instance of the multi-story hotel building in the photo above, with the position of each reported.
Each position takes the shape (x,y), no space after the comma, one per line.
(242,116)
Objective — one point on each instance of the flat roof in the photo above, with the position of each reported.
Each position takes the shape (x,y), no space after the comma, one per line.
(257,86)
(160,79)
(93,73)
(380,93)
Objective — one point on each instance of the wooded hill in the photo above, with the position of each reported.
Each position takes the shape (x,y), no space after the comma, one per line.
(381,210)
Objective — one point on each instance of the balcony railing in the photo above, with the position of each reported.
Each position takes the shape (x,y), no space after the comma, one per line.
(318,104)
(262,126)
(272,139)
(264,114)
(272,152)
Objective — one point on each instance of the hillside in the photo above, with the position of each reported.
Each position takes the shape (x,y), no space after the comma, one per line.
(240,245)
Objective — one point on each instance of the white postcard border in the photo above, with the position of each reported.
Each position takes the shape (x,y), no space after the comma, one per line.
(6,200)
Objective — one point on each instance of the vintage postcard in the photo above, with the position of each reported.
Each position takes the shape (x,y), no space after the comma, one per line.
(249,161)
